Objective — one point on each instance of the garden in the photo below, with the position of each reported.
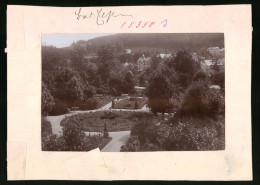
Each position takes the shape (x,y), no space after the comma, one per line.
(114,120)
(73,138)
(130,103)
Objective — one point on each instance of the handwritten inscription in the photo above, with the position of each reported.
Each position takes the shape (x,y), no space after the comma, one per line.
(100,15)
(142,24)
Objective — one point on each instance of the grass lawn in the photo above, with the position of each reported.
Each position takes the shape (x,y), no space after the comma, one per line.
(130,103)
(95,121)
(102,101)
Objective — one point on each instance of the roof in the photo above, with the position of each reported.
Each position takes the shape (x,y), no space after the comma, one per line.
(163,55)
(214,87)
(143,58)
(138,87)
(90,56)
(127,50)
(213,48)
(208,62)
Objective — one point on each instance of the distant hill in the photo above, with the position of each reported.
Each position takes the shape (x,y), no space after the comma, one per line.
(161,42)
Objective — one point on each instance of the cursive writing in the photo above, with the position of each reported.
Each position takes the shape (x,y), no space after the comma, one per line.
(102,17)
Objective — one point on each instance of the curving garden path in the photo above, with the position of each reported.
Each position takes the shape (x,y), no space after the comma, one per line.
(118,138)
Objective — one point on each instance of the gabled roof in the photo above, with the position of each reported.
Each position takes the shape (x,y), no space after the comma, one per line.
(208,62)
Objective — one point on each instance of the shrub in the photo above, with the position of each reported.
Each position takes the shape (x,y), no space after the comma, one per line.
(106,135)
(200,76)
(60,107)
(74,136)
(192,134)
(184,79)
(109,115)
(53,143)
(113,104)
(136,105)
(145,130)
(87,104)
(201,101)
(175,138)
(219,79)
(46,128)
(131,145)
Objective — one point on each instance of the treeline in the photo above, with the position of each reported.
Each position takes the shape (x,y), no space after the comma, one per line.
(160,42)
(68,79)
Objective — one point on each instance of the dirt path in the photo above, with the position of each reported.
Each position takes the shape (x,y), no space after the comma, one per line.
(55,120)
(118,139)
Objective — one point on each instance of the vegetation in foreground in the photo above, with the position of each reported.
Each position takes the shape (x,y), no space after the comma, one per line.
(114,120)
(73,138)
(177,134)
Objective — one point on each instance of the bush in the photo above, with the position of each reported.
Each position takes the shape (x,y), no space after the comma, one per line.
(145,130)
(46,128)
(200,76)
(201,101)
(136,105)
(87,104)
(74,136)
(53,143)
(106,135)
(60,107)
(109,115)
(219,79)
(131,145)
(192,134)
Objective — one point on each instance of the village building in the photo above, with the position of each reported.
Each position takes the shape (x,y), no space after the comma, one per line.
(164,56)
(90,57)
(140,91)
(143,63)
(194,57)
(213,50)
(210,67)
(127,51)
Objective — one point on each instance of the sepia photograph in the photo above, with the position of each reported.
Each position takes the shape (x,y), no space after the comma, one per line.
(133,92)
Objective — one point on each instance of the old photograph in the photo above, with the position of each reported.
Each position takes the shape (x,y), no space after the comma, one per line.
(133,92)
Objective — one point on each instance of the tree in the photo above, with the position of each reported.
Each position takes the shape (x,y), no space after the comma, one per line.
(68,86)
(113,104)
(46,128)
(106,135)
(129,83)
(74,136)
(158,94)
(47,99)
(184,63)
(136,104)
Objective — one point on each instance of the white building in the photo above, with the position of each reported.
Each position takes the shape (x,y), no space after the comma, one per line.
(143,63)
(127,51)
(213,50)
(194,56)
(164,56)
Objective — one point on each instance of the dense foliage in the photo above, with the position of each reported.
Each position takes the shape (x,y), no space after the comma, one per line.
(73,138)
(90,74)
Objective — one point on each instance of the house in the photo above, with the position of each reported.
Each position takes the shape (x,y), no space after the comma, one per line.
(214,87)
(89,57)
(164,56)
(206,66)
(143,63)
(127,51)
(210,67)
(213,50)
(140,91)
(194,56)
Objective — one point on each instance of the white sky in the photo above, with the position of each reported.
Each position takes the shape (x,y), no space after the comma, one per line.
(64,40)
